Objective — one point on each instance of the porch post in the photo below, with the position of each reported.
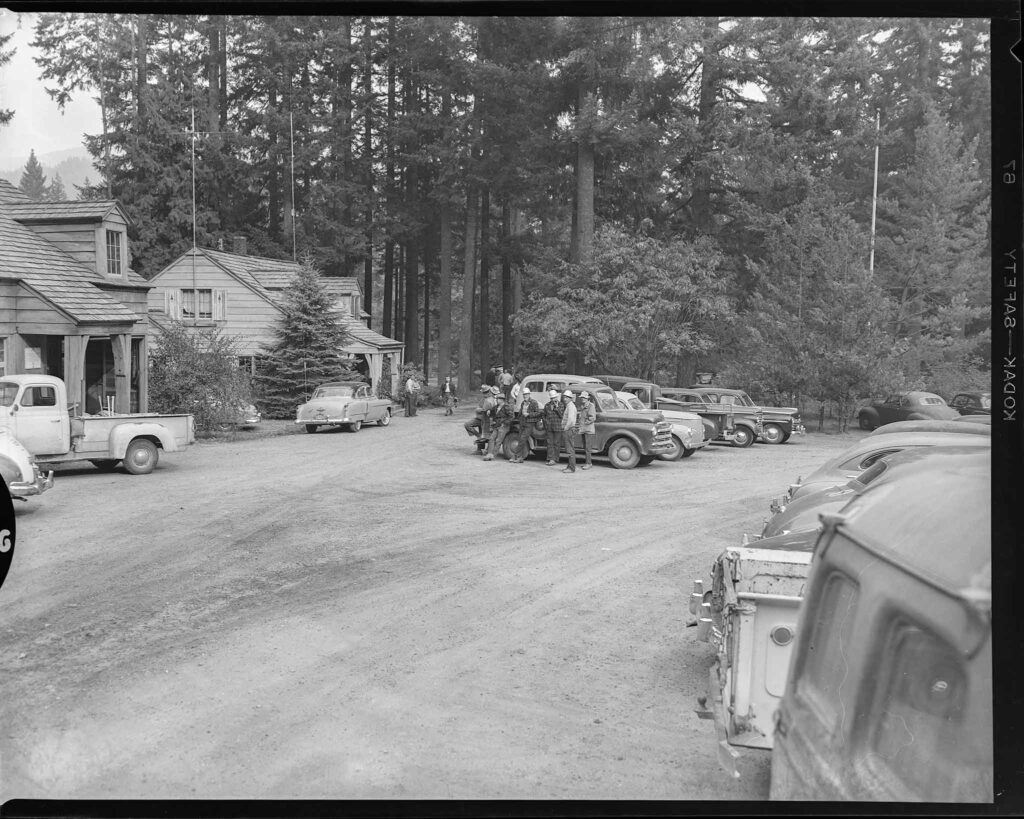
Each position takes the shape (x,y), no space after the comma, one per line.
(121,344)
(74,370)
(143,375)
(375,361)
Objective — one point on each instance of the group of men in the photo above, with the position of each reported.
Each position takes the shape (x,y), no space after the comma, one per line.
(560,419)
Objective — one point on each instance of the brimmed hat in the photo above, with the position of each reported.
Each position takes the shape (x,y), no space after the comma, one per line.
(553,393)
(526,390)
(484,388)
(568,394)
(584,394)
(495,391)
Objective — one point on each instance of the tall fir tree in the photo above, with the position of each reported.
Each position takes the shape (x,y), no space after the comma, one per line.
(6,114)
(55,190)
(308,346)
(33,180)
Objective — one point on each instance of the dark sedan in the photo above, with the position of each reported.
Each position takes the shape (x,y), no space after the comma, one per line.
(905,406)
(972,403)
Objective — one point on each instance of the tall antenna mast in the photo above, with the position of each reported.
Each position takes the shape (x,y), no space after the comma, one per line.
(874,197)
(291,136)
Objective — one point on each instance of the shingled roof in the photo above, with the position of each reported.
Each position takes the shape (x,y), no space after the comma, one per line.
(359,332)
(55,276)
(9,193)
(78,211)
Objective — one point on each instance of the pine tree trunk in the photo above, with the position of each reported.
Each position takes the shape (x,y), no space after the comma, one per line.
(444,295)
(387,310)
(368,168)
(484,345)
(390,328)
(468,296)
(345,85)
(506,285)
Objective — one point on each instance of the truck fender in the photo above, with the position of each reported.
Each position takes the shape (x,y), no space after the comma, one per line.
(122,435)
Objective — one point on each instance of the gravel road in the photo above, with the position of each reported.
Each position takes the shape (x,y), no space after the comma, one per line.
(373,615)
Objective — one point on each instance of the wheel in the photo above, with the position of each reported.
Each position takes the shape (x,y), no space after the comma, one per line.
(675,453)
(687,452)
(105,465)
(865,422)
(510,448)
(786,436)
(773,434)
(743,437)
(385,419)
(355,426)
(141,456)
(647,459)
(311,428)
(623,453)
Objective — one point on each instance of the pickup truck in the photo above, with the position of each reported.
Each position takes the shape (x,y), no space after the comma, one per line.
(626,437)
(35,412)
(777,424)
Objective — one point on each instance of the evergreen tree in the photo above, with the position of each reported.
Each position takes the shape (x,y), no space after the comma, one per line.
(308,346)
(33,181)
(5,57)
(55,190)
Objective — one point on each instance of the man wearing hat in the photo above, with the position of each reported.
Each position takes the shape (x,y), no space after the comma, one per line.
(553,410)
(501,422)
(529,413)
(480,424)
(588,417)
(569,419)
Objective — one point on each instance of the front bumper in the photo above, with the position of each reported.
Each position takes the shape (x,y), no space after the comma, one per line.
(24,489)
(799,429)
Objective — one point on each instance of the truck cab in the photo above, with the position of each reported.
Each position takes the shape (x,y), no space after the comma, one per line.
(35,413)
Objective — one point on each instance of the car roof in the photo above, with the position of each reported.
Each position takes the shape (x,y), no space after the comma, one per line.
(569,377)
(954,425)
(919,394)
(934,519)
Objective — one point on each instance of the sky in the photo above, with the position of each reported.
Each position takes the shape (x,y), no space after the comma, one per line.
(37,123)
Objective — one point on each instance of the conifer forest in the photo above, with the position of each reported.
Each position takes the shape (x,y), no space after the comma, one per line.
(652,196)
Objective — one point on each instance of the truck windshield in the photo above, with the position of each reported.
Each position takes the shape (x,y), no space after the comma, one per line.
(8,392)
(605,401)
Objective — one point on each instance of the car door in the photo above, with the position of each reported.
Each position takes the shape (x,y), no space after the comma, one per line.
(887,410)
(359,407)
(38,423)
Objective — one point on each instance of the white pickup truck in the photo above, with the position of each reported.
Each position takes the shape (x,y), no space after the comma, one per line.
(34,410)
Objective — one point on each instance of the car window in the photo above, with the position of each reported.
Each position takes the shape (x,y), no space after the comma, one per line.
(361,392)
(39,397)
(333,392)
(986,401)
(8,392)
(960,401)
(605,401)
(635,403)
(870,460)
(535,386)
(932,400)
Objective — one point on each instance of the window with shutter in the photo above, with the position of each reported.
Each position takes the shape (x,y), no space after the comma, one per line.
(220,304)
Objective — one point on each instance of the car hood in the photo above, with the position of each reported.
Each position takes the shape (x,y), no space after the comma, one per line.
(14,452)
(786,411)
(677,415)
(803,513)
(625,416)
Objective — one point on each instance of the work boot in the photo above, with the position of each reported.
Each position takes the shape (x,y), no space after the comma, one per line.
(568,470)
(488,457)
(586,466)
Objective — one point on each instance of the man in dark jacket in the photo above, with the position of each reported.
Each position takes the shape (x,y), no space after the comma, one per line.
(479,425)
(530,413)
(553,410)
(501,422)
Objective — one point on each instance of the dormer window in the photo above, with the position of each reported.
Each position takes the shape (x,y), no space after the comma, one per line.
(114,264)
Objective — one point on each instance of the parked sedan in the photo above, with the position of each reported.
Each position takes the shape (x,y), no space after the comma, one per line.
(687,427)
(905,406)
(848,464)
(972,403)
(343,403)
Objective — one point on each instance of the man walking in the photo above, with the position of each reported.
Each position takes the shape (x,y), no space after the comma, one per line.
(412,388)
(570,416)
(501,422)
(553,410)
(588,417)
(448,395)
(529,413)
(505,382)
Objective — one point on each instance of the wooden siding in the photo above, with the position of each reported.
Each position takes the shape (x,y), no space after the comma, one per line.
(35,316)
(249,318)
(78,241)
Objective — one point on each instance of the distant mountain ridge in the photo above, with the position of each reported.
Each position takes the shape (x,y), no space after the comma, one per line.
(73,165)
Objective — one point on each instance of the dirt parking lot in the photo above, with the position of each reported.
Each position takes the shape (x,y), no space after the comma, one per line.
(373,615)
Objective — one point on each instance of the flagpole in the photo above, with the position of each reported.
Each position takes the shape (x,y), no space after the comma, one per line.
(874,197)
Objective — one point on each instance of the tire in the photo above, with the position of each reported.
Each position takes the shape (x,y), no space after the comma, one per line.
(623,453)
(510,448)
(676,452)
(141,456)
(646,460)
(385,419)
(786,436)
(311,428)
(687,452)
(355,426)
(105,465)
(744,437)
(773,434)
(864,422)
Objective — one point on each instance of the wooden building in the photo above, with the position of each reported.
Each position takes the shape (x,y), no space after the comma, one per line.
(70,306)
(241,295)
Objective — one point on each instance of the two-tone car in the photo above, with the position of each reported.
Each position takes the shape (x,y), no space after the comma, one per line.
(687,427)
(347,404)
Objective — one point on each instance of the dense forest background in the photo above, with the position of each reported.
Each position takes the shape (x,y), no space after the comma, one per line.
(645,196)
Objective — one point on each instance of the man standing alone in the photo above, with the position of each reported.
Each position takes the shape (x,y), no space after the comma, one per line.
(412,388)
(553,426)
(588,416)
(569,418)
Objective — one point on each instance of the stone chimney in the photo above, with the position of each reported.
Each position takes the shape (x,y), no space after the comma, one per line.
(239,245)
